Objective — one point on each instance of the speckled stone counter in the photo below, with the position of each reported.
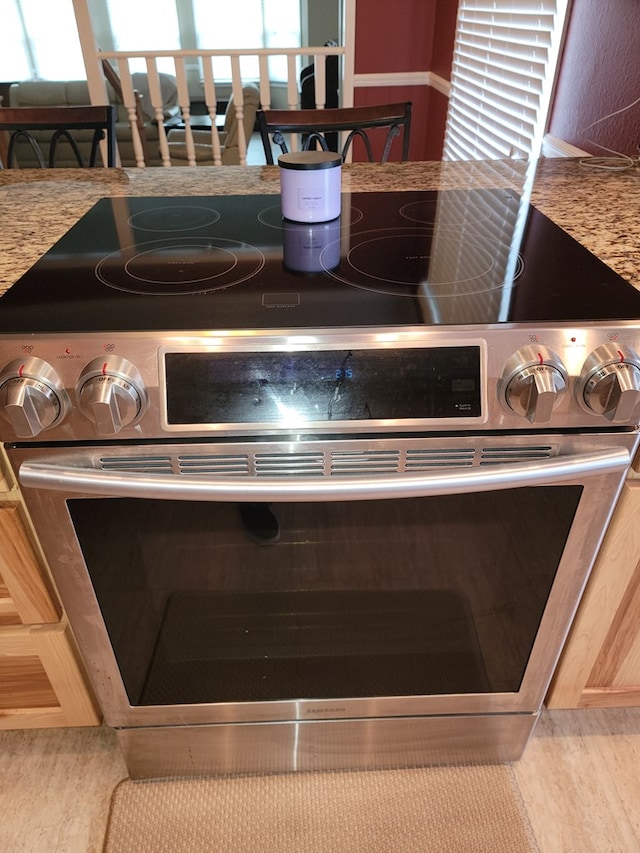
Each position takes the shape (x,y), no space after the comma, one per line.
(600,209)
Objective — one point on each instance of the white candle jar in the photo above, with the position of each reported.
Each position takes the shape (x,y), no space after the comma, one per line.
(310,185)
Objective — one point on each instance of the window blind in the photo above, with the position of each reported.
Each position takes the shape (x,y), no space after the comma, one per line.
(504,61)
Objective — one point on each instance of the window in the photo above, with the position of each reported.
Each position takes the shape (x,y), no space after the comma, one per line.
(40,41)
(248,23)
(504,62)
(133,28)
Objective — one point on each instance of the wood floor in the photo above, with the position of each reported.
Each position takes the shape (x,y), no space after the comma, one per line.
(579,780)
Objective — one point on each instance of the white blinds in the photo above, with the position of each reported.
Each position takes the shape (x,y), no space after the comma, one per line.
(503,66)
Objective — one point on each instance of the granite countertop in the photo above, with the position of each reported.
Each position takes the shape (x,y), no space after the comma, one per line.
(600,209)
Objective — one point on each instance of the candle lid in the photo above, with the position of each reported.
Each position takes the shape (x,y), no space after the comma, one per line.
(310,160)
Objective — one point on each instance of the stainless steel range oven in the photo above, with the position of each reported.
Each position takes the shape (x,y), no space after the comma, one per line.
(320,497)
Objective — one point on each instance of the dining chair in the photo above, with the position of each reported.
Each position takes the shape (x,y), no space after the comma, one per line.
(313,125)
(26,123)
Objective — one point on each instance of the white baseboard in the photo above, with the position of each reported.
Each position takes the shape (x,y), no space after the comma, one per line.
(403,78)
(440,84)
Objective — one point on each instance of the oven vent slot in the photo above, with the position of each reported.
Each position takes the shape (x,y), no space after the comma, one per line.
(444,457)
(216,464)
(309,464)
(365,462)
(140,464)
(504,455)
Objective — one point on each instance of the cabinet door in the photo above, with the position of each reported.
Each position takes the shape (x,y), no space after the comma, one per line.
(26,593)
(42,681)
(600,664)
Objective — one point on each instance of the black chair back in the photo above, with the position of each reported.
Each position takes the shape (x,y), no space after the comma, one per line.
(23,122)
(313,125)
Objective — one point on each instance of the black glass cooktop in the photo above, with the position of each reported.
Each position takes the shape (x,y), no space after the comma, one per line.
(398,258)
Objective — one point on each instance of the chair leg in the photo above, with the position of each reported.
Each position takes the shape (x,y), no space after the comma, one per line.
(54,142)
(32,142)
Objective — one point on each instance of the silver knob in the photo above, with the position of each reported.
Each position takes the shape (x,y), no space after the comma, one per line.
(111,393)
(609,382)
(32,396)
(533,383)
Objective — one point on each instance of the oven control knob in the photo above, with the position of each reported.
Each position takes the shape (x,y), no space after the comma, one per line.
(609,383)
(533,383)
(111,393)
(32,396)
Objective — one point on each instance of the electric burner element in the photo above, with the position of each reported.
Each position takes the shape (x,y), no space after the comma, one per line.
(406,261)
(182,265)
(272,217)
(178,218)
(427,211)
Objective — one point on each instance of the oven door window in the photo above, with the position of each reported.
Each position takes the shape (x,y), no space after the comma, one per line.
(419,596)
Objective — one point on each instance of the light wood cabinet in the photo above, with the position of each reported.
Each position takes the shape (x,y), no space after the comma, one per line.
(29,595)
(42,682)
(600,664)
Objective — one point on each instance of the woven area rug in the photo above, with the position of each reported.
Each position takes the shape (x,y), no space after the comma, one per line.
(448,809)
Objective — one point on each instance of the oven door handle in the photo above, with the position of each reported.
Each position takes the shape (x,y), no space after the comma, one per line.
(89,481)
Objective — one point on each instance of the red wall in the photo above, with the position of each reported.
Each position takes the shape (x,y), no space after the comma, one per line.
(394,37)
(443,38)
(444,33)
(403,37)
(600,73)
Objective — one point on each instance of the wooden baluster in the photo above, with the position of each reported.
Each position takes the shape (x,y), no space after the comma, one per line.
(123,86)
(211,100)
(238,103)
(265,83)
(320,79)
(185,108)
(155,93)
(292,95)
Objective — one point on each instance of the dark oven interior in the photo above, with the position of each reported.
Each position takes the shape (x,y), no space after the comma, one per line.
(409,596)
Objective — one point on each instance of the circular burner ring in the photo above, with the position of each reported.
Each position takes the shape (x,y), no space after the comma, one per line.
(356,271)
(170,218)
(169,258)
(272,217)
(185,265)
(471,207)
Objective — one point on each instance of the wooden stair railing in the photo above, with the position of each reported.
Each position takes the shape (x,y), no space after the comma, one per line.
(112,78)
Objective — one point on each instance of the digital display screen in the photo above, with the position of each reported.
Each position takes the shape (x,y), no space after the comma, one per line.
(296,388)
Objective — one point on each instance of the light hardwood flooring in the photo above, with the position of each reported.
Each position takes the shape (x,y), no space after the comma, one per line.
(579,780)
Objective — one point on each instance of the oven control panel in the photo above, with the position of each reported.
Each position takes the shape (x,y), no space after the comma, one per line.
(323,386)
(77,388)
